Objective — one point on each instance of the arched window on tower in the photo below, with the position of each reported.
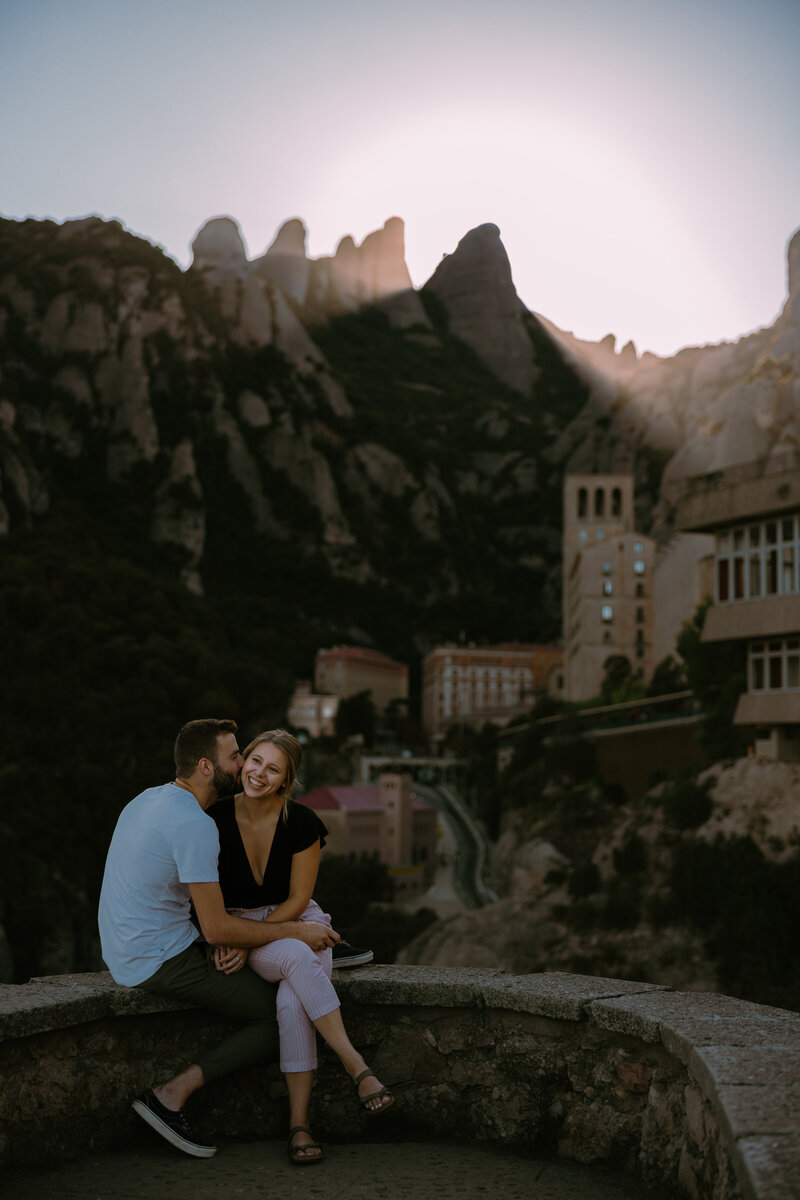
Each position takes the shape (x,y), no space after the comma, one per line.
(599,502)
(582,502)
(616,503)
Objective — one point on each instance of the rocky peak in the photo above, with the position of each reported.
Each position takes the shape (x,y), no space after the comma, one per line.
(218,246)
(475,285)
(290,239)
(364,274)
(382,257)
(285,263)
(628,357)
(793,271)
(353,276)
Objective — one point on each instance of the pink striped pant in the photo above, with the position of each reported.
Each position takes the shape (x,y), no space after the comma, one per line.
(305,991)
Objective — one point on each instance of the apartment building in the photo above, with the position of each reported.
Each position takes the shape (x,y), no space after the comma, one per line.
(472,685)
(753,512)
(607,590)
(347,670)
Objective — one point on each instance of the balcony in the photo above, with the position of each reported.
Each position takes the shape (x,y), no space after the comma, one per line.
(764,487)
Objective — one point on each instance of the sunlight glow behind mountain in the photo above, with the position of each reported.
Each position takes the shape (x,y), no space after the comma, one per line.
(640,161)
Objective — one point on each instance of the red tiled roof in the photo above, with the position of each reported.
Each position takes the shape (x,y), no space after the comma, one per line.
(520,647)
(361,654)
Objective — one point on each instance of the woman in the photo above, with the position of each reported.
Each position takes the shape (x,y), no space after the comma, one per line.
(268,864)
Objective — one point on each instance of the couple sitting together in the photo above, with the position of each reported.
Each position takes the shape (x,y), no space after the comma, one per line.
(226,838)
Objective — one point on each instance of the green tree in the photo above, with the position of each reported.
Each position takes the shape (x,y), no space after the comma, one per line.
(346,887)
(356,716)
(717,674)
(108,661)
(478,748)
(619,683)
(668,677)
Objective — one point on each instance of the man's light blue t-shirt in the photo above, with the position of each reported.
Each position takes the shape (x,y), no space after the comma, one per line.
(163,841)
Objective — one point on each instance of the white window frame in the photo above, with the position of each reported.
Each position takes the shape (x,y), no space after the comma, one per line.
(763,654)
(757,559)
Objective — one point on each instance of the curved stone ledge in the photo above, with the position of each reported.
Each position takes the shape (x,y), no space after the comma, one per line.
(698,1094)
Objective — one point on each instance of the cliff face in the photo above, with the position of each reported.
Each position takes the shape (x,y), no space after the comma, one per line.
(707,408)
(369,443)
(116,360)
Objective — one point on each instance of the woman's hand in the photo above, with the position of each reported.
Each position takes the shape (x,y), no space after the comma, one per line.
(315,934)
(230,959)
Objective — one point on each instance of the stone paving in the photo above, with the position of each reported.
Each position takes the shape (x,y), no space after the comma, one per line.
(371,1171)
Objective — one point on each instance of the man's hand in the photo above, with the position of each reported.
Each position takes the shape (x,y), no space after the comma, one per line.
(230,959)
(315,935)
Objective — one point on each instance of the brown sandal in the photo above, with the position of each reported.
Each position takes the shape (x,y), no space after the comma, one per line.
(298,1155)
(379,1095)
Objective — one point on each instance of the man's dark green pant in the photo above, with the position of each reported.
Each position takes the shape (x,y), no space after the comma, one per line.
(244,997)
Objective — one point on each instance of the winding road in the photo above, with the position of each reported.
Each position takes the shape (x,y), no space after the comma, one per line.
(459,881)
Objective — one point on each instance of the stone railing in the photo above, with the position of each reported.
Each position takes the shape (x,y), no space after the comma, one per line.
(695,1093)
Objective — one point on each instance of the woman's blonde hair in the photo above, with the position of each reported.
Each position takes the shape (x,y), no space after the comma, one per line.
(294,753)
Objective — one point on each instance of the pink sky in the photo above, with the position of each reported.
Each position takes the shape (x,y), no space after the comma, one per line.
(640,160)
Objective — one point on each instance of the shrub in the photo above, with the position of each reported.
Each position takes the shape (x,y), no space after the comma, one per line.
(582,916)
(687,804)
(345,889)
(747,907)
(386,931)
(661,909)
(615,793)
(631,856)
(584,880)
(623,908)
(669,676)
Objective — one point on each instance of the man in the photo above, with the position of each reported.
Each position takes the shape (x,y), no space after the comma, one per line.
(162,855)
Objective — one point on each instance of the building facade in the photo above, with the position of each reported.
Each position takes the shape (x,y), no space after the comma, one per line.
(347,670)
(607,586)
(472,685)
(683,578)
(386,821)
(312,713)
(753,512)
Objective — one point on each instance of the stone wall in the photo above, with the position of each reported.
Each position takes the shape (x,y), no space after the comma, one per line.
(696,1094)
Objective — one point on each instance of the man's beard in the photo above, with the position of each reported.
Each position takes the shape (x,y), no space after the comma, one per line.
(225,782)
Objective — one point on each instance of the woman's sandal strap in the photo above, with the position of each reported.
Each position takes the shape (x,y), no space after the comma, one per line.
(299,1154)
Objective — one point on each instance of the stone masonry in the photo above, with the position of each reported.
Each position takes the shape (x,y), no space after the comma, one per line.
(696,1094)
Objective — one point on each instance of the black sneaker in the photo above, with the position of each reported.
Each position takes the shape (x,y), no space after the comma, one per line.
(171,1125)
(345,955)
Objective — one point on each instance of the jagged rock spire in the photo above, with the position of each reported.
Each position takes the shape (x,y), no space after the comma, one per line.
(219,245)
(475,285)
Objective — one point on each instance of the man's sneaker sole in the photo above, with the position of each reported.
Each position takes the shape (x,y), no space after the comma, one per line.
(171,1135)
(354,960)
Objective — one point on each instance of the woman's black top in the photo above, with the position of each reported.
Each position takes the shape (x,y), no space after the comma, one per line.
(300,830)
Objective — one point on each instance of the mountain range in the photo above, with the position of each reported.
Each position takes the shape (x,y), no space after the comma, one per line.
(375,448)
